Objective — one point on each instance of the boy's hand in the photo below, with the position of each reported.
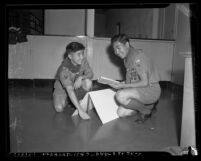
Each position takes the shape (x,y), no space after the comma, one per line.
(83,114)
(78,82)
(117,85)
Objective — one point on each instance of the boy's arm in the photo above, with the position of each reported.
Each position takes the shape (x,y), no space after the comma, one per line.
(87,71)
(74,100)
(65,77)
(67,84)
(72,96)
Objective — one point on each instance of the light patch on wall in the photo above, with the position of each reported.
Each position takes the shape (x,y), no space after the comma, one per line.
(15,64)
(184,9)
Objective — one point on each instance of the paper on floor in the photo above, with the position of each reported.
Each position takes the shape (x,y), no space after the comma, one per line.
(104,103)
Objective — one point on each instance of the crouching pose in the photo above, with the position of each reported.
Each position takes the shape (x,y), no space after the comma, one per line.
(73,79)
(141,90)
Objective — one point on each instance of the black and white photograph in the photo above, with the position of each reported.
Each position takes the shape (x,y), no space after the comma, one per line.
(103,78)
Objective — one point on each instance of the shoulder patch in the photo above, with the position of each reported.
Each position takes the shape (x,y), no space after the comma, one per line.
(65,72)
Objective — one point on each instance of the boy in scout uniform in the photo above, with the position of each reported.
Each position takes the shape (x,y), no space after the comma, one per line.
(73,79)
(141,90)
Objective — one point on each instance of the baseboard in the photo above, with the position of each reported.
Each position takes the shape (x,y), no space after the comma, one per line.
(50,82)
(20,82)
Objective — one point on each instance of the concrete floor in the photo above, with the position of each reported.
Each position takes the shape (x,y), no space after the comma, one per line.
(36,127)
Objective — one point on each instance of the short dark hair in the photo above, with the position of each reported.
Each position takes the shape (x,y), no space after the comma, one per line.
(122,38)
(74,47)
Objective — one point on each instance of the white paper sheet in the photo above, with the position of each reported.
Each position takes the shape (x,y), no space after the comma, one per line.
(104,103)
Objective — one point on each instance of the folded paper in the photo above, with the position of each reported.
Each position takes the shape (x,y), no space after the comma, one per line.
(104,103)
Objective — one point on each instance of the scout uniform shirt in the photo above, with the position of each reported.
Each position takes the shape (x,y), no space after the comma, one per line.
(136,62)
(72,72)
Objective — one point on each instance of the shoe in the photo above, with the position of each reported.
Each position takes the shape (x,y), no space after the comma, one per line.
(143,117)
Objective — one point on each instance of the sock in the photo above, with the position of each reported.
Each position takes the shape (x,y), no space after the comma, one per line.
(75,113)
(134,104)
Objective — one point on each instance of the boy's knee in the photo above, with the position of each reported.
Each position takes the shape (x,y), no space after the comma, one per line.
(123,96)
(87,84)
(120,113)
(120,97)
(59,108)
(59,104)
(59,100)
(123,112)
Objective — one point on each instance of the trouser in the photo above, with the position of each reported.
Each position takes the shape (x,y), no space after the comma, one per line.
(139,99)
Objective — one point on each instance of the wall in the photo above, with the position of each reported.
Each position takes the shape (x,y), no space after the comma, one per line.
(40,57)
(151,23)
(103,62)
(169,22)
(100,28)
(160,52)
(182,44)
(20,64)
(106,64)
(137,23)
(65,22)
